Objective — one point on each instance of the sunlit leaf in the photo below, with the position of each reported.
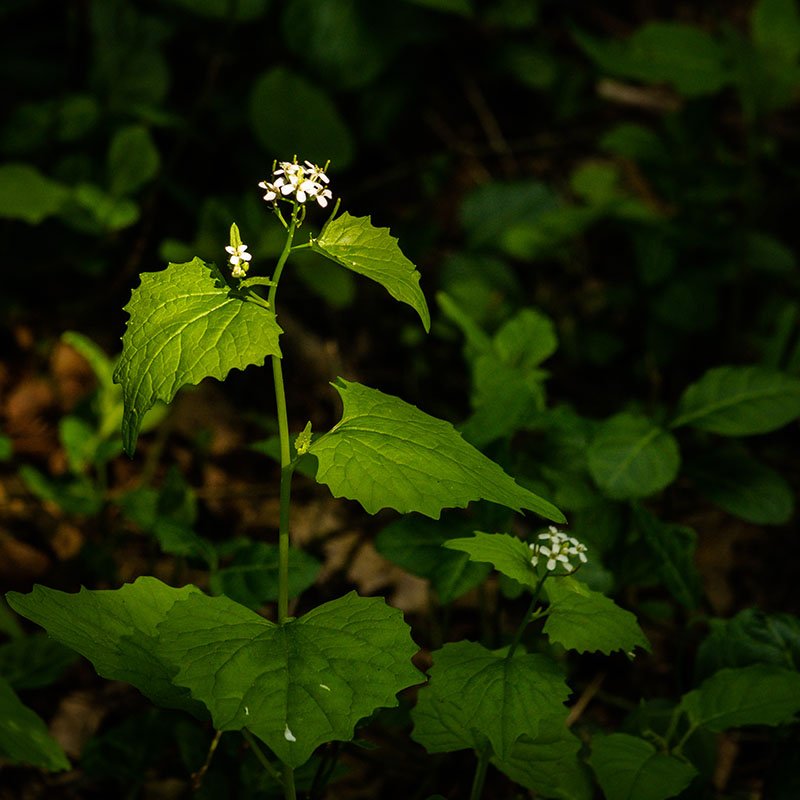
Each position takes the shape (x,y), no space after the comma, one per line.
(507,554)
(115,630)
(295,685)
(185,325)
(386,453)
(356,244)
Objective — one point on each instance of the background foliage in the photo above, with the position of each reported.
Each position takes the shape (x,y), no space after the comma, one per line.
(600,203)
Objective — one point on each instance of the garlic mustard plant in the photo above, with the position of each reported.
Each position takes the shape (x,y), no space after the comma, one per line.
(263,677)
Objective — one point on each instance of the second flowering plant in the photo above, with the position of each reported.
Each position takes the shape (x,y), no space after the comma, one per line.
(291,684)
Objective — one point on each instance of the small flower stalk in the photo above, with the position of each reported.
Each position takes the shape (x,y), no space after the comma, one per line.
(559,549)
(297,183)
(238,257)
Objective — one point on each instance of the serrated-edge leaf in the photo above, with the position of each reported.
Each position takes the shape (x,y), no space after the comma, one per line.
(475,694)
(295,685)
(386,453)
(115,630)
(507,554)
(583,620)
(185,325)
(355,243)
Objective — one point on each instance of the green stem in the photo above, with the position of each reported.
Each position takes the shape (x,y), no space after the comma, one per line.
(259,754)
(526,618)
(480,773)
(287,468)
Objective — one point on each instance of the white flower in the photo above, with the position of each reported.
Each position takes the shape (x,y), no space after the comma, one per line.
(305,181)
(238,259)
(558,549)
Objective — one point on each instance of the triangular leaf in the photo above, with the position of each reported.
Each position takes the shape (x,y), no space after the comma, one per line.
(475,695)
(740,401)
(295,685)
(505,553)
(630,768)
(115,630)
(186,324)
(760,694)
(23,735)
(583,620)
(355,243)
(386,453)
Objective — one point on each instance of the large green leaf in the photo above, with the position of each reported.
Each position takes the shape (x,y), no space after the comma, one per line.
(630,768)
(185,325)
(761,694)
(475,695)
(735,481)
(740,401)
(295,685)
(386,453)
(549,764)
(115,630)
(507,554)
(583,620)
(630,456)
(355,243)
(674,548)
(415,544)
(23,735)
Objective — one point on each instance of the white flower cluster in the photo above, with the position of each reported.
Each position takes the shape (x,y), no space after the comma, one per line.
(305,181)
(238,260)
(557,548)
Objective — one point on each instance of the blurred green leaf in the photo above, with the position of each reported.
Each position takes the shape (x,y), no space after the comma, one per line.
(739,401)
(23,735)
(30,662)
(751,637)
(251,578)
(415,544)
(133,160)
(629,456)
(239,10)
(775,26)
(306,123)
(460,7)
(687,57)
(75,495)
(743,486)
(107,212)
(674,548)
(759,694)
(28,195)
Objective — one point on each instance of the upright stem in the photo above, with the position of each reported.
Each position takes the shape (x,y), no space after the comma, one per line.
(480,773)
(283,432)
(289,791)
(524,623)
